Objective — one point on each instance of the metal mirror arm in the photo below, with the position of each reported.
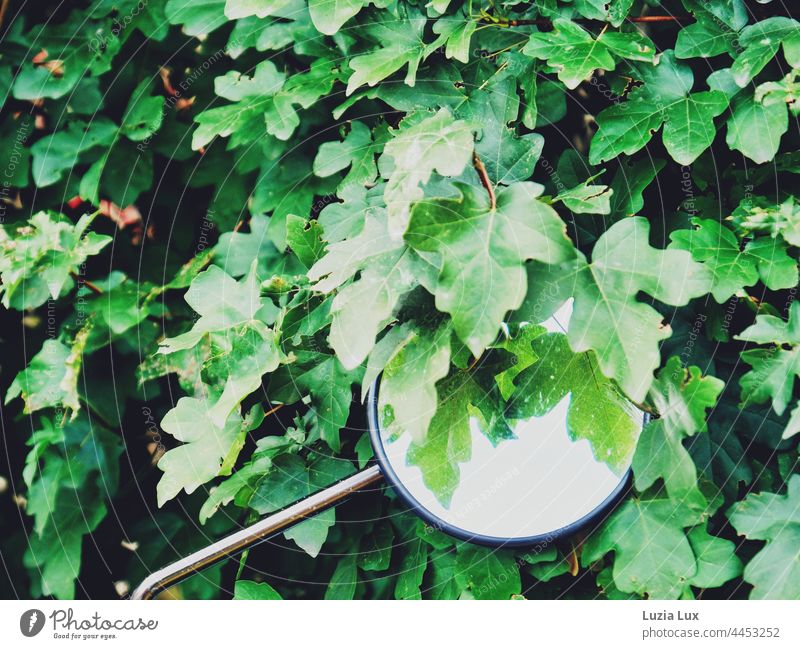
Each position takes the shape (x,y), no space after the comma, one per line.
(255,533)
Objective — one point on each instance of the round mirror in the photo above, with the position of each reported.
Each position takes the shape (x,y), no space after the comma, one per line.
(527,445)
(537,444)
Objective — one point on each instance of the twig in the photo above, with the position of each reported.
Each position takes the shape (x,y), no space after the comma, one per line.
(3,9)
(92,287)
(273,410)
(481,169)
(510,22)
(658,19)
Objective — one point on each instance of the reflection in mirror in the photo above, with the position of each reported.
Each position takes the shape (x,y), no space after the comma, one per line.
(530,440)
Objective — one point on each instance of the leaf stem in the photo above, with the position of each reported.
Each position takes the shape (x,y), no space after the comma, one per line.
(92,287)
(3,9)
(273,410)
(646,408)
(484,176)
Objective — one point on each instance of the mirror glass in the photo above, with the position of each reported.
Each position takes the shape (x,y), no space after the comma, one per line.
(536,439)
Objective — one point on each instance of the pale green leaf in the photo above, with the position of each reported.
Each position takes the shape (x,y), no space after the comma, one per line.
(484,248)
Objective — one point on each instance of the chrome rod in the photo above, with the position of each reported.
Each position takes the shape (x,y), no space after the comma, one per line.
(255,533)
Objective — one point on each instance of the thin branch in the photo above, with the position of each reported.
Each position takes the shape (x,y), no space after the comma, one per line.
(3,9)
(484,176)
(92,287)
(510,22)
(273,410)
(658,19)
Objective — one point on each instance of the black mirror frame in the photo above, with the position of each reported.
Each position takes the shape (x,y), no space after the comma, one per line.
(589,521)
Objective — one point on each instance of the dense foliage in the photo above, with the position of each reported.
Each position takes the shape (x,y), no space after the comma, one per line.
(221,219)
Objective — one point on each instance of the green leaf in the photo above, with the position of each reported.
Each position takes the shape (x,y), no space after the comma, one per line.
(408,386)
(222,303)
(598,411)
(346,219)
(245,478)
(607,317)
(587,199)
(122,305)
(664,98)
(236,251)
(305,238)
(575,54)
(120,175)
(523,353)
(356,151)
(60,152)
(401,45)
(438,143)
(51,378)
(448,441)
(196,17)
(704,39)
(388,270)
(39,259)
(311,534)
(717,562)
(239,359)
(252,96)
(729,13)
(488,573)
(67,64)
(382,353)
(783,92)
(653,556)
(509,158)
(629,184)
(733,268)
(759,43)
(756,129)
(244,589)
(361,309)
(412,570)
(484,248)
(775,219)
(681,396)
(329,385)
(571,50)
(613,11)
(458,31)
(328,16)
(689,127)
(262,8)
(661,454)
(264,103)
(775,570)
(68,499)
(206,445)
(144,114)
(344,580)
(375,552)
(774,368)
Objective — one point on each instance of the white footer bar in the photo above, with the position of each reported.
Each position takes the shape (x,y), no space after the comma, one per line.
(348,625)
